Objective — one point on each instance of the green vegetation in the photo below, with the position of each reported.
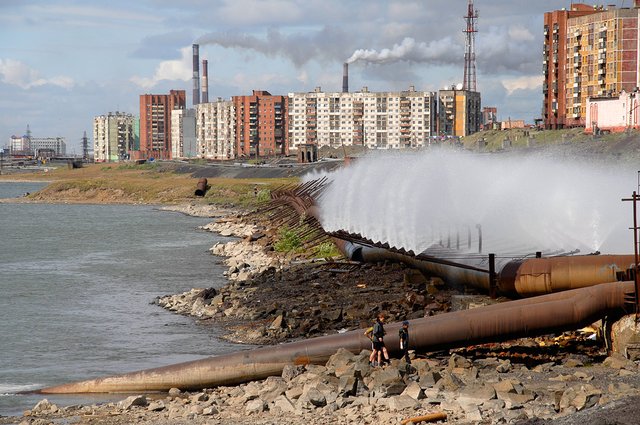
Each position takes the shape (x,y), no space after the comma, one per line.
(326,250)
(288,240)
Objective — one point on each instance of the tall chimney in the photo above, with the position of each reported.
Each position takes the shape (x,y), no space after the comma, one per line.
(205,81)
(345,78)
(196,74)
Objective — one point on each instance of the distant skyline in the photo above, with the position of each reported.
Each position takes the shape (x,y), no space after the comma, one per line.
(62,62)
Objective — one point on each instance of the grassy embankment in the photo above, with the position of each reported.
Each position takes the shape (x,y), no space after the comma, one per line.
(144,184)
(520,137)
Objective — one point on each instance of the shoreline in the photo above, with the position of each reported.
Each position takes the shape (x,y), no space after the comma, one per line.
(496,383)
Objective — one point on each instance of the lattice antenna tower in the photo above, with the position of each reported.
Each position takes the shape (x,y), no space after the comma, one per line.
(469,82)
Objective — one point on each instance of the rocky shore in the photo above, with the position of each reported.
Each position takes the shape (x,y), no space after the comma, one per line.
(274,297)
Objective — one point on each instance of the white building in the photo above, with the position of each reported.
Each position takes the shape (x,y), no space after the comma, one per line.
(113,136)
(384,120)
(19,145)
(216,130)
(183,134)
(48,146)
(613,114)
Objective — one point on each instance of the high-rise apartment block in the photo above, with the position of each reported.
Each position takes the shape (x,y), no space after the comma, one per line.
(216,130)
(261,124)
(155,122)
(377,120)
(183,133)
(459,112)
(113,136)
(589,51)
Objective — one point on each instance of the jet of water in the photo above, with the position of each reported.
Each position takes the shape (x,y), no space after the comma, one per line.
(517,204)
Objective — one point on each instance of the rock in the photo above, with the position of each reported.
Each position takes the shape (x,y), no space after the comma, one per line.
(156,406)
(504,366)
(315,397)
(617,362)
(174,392)
(401,402)
(255,406)
(134,400)
(449,382)
(579,397)
(476,394)
(44,406)
(199,397)
(283,404)
(273,387)
(210,410)
(278,323)
(291,371)
(457,361)
(348,386)
(386,382)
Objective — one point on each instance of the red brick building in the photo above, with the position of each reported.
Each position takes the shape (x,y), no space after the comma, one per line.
(554,63)
(261,125)
(155,123)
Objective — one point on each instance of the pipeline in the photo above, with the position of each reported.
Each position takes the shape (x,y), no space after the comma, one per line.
(201,187)
(515,278)
(529,317)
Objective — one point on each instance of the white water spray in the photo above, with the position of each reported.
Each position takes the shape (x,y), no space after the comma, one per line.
(520,204)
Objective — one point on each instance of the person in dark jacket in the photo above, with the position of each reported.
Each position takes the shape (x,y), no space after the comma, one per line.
(403,337)
(378,339)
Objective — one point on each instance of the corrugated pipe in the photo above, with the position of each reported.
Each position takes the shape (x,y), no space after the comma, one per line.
(499,322)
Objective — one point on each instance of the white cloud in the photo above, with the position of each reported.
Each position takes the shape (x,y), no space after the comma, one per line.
(19,74)
(177,69)
(437,51)
(90,12)
(520,33)
(522,83)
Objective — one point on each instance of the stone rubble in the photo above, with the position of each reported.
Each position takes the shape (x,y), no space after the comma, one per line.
(347,390)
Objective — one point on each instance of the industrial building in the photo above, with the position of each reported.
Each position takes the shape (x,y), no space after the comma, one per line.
(613,114)
(114,136)
(216,130)
(589,51)
(155,123)
(384,120)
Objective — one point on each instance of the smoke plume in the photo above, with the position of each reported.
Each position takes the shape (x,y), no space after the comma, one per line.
(443,51)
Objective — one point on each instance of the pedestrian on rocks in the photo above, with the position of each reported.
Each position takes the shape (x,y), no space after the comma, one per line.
(374,353)
(378,339)
(403,336)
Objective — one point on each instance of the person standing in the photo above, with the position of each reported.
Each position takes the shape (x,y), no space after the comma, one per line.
(403,336)
(378,339)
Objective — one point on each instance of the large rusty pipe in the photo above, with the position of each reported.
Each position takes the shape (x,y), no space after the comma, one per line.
(201,187)
(516,278)
(499,322)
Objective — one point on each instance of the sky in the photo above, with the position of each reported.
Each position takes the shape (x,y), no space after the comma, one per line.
(63,62)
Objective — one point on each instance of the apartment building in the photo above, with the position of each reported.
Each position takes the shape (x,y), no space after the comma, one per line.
(382,120)
(459,112)
(113,136)
(602,59)
(554,63)
(155,123)
(216,130)
(261,125)
(183,133)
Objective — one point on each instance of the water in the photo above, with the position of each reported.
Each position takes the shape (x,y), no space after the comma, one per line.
(76,283)
(522,204)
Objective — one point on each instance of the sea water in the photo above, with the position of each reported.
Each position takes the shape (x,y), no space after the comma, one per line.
(77,284)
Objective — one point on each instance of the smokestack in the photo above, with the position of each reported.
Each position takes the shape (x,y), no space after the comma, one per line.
(345,78)
(205,81)
(196,74)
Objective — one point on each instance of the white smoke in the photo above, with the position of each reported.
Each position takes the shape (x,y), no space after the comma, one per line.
(440,51)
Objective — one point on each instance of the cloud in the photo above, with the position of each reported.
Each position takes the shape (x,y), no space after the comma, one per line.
(300,48)
(19,74)
(440,51)
(177,69)
(162,46)
(522,83)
